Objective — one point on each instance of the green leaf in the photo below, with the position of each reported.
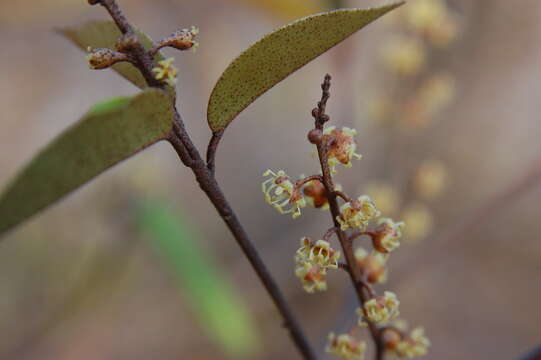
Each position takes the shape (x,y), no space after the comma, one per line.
(110,132)
(104,34)
(219,309)
(277,55)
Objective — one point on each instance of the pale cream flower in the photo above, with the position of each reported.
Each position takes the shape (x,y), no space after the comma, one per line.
(319,253)
(387,235)
(414,345)
(356,214)
(313,277)
(280,193)
(346,347)
(380,309)
(341,146)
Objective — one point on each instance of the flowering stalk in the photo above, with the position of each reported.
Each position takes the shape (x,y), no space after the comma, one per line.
(361,286)
(313,259)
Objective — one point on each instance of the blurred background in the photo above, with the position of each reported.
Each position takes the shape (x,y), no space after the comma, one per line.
(137,265)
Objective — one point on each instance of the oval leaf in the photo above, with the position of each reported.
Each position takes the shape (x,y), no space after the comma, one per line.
(108,133)
(277,55)
(104,34)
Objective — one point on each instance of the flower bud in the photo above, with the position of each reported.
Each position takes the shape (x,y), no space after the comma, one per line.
(387,235)
(102,58)
(372,265)
(391,337)
(315,136)
(181,39)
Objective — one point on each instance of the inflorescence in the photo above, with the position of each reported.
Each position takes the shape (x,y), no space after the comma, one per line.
(360,217)
(164,71)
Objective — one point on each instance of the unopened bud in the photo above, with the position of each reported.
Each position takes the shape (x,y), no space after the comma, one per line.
(390,337)
(181,39)
(315,136)
(103,58)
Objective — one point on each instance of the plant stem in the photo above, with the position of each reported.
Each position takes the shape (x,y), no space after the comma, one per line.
(204,174)
(354,272)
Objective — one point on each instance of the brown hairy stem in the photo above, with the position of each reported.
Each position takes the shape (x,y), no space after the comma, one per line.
(363,289)
(204,174)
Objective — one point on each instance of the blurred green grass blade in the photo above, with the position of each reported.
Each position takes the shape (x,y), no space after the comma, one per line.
(104,34)
(278,54)
(219,308)
(109,133)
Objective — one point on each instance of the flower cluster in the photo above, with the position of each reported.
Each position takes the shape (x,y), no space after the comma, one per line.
(406,346)
(372,265)
(281,193)
(166,71)
(312,261)
(346,347)
(380,309)
(387,235)
(341,146)
(356,214)
(355,217)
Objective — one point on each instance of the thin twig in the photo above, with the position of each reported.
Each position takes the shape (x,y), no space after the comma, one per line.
(342,195)
(535,354)
(189,155)
(355,273)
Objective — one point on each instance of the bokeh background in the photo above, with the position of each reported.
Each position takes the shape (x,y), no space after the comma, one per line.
(137,265)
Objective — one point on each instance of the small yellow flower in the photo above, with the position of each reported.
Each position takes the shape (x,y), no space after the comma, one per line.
(387,235)
(166,71)
(414,345)
(404,55)
(319,253)
(312,261)
(341,146)
(372,265)
(356,214)
(346,347)
(313,277)
(280,192)
(380,309)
